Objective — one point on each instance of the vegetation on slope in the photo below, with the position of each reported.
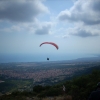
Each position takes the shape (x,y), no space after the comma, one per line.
(79,88)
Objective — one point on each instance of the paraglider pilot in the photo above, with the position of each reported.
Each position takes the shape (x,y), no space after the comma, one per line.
(47,58)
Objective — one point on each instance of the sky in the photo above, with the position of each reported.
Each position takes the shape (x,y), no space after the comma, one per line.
(74,25)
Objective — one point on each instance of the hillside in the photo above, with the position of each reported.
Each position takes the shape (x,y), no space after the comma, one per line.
(23,76)
(78,88)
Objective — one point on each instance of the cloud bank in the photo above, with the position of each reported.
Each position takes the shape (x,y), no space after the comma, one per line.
(83,32)
(86,14)
(22,15)
(83,11)
(21,10)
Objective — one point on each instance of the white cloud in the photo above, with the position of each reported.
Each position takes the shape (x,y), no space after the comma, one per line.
(22,16)
(83,11)
(12,29)
(21,10)
(37,27)
(43,29)
(85,17)
(65,36)
(84,31)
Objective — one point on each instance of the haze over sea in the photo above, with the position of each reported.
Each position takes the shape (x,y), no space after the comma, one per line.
(40,57)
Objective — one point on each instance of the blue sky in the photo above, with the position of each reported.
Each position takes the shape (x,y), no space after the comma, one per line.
(74,25)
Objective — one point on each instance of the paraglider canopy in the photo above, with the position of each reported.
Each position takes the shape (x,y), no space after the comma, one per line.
(51,44)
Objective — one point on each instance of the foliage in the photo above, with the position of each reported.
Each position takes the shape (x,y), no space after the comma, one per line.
(79,88)
(13,85)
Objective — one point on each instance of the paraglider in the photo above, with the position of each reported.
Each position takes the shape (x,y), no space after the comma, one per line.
(47,58)
(51,43)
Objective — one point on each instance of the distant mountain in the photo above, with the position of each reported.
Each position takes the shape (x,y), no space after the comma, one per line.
(85,59)
(89,59)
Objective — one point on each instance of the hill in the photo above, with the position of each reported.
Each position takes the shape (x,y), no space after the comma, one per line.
(78,88)
(25,79)
(23,76)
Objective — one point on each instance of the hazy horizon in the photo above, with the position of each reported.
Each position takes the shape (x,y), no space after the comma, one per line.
(41,58)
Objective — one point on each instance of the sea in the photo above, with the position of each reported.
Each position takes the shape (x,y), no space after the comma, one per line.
(7,58)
